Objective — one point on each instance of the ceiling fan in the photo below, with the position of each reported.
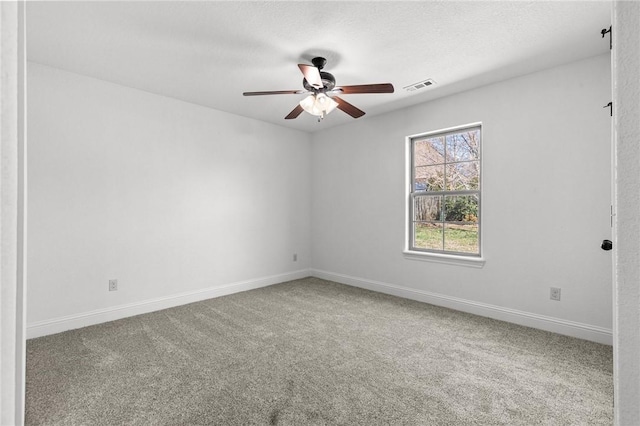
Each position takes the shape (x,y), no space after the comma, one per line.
(322,90)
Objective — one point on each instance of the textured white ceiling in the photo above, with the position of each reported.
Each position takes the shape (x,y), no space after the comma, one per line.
(208,53)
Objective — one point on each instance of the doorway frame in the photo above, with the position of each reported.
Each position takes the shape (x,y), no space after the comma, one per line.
(12,211)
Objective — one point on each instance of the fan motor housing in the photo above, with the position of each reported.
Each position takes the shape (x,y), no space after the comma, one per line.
(328,82)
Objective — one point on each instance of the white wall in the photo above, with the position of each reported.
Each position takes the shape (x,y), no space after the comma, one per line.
(165,196)
(546,201)
(171,198)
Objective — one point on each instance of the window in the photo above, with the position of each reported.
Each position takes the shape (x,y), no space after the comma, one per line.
(444,200)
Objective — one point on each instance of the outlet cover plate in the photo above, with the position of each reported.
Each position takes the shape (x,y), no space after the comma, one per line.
(555,293)
(113,285)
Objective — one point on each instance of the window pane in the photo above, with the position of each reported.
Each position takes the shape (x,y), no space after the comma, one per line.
(461,237)
(420,184)
(463,176)
(461,208)
(429,178)
(445,191)
(427,235)
(428,151)
(427,208)
(463,146)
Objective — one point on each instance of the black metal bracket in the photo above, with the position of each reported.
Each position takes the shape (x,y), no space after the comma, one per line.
(610,106)
(603,32)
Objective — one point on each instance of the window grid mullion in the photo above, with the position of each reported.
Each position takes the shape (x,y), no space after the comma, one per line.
(444,149)
(443,213)
(461,192)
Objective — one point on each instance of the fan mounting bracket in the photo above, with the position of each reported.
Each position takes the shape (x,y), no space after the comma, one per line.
(319,62)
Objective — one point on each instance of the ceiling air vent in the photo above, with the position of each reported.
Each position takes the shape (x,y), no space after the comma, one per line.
(420,85)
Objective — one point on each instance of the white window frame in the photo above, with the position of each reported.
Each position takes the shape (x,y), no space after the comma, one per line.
(463,259)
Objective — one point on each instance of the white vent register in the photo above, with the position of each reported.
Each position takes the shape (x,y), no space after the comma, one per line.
(419,85)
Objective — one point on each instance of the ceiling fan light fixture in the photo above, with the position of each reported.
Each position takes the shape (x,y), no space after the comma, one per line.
(318,104)
(308,103)
(318,83)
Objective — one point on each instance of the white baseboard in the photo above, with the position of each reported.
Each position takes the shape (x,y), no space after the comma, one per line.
(542,322)
(58,325)
(556,325)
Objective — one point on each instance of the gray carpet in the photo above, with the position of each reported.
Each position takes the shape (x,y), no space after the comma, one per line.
(313,352)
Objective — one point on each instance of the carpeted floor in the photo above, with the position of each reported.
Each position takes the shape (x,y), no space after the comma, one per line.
(313,352)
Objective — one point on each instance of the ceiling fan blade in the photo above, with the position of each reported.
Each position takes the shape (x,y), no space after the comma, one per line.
(277,92)
(312,75)
(295,113)
(348,108)
(366,88)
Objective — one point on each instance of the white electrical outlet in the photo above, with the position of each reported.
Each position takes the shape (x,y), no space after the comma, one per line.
(295,257)
(113,285)
(555,293)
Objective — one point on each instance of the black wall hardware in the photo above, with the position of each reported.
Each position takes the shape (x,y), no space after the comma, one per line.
(610,106)
(603,32)
(606,245)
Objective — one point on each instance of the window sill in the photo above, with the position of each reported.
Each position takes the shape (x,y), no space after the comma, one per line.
(449,259)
